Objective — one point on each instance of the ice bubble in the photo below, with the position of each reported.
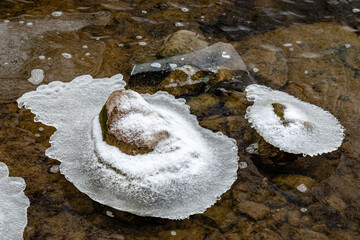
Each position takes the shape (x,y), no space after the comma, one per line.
(110,214)
(243,165)
(29,24)
(252,148)
(173,233)
(56,14)
(255,69)
(37,76)
(41,129)
(87,54)
(179,24)
(6,21)
(303,128)
(84,46)
(303,210)
(155,65)
(139,37)
(184,9)
(356,10)
(66,55)
(301,188)
(225,55)
(144,12)
(142,43)
(42,57)
(13,207)
(173,65)
(183,175)
(55,169)
(287,44)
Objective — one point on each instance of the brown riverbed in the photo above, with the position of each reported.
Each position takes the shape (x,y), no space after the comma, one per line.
(309,49)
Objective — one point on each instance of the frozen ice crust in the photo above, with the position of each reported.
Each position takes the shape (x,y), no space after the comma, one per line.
(305,128)
(13,207)
(184,174)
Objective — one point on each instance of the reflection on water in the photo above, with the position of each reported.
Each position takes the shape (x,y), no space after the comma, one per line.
(309,49)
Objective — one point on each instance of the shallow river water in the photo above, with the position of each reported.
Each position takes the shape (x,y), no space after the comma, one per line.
(307,48)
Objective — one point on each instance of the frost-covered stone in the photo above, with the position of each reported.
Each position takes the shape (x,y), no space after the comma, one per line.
(184,174)
(290,124)
(121,126)
(13,205)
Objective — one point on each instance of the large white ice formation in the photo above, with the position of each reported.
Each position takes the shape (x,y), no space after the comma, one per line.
(184,174)
(305,128)
(13,205)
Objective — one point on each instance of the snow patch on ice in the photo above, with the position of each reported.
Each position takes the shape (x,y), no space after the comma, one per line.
(306,128)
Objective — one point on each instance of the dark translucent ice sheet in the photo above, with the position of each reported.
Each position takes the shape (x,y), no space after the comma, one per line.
(218,56)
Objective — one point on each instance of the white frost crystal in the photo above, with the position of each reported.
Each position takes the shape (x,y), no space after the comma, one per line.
(13,205)
(184,174)
(306,129)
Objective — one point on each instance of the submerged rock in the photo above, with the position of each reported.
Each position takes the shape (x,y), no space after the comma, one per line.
(292,181)
(187,170)
(186,80)
(202,104)
(13,207)
(181,42)
(254,210)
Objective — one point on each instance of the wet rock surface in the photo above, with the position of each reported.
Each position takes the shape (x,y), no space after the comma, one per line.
(181,42)
(320,66)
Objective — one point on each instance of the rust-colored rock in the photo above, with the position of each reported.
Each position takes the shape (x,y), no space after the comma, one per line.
(112,112)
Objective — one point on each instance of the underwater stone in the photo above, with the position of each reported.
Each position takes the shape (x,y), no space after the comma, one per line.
(13,207)
(185,80)
(296,127)
(184,174)
(181,42)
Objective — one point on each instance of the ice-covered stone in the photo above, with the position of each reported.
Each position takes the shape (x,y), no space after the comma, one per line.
(184,174)
(290,124)
(121,126)
(13,205)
